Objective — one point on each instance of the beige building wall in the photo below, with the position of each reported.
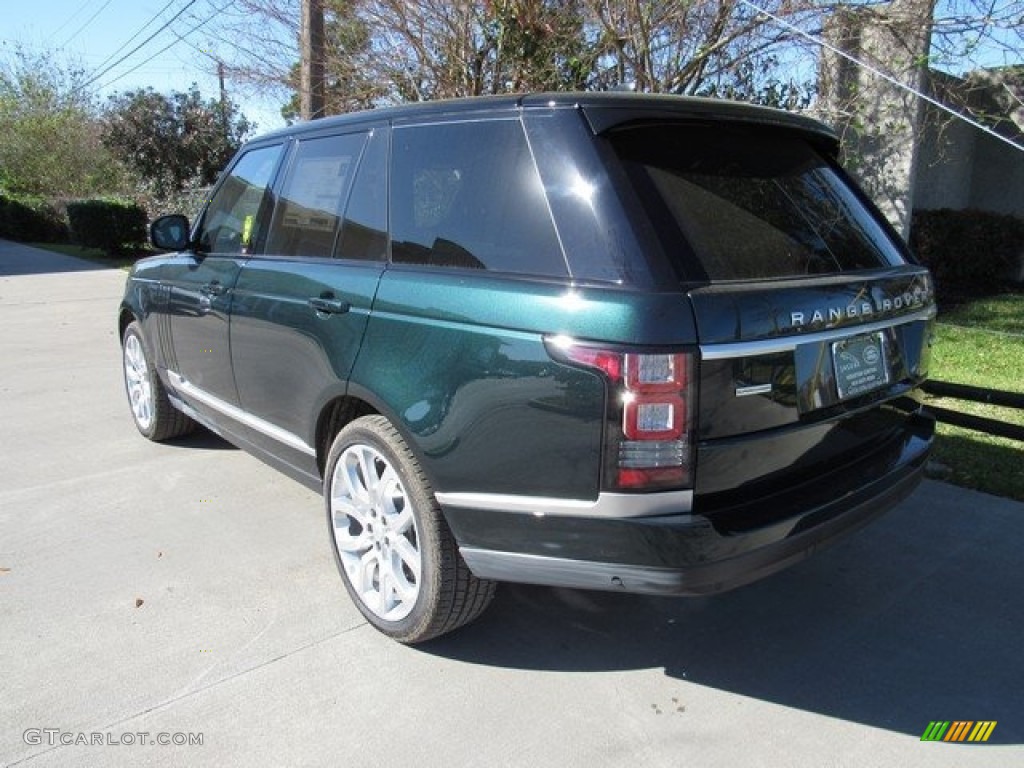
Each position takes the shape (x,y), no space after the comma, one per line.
(879,121)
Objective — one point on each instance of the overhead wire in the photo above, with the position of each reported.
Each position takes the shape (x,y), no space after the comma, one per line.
(89,21)
(226,41)
(145,42)
(138,32)
(69,19)
(879,73)
(178,39)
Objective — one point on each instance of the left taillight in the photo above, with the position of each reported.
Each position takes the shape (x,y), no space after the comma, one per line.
(650,416)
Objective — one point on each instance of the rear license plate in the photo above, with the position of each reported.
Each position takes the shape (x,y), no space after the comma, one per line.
(860,364)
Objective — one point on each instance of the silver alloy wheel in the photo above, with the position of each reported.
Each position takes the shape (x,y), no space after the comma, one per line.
(136,377)
(375,532)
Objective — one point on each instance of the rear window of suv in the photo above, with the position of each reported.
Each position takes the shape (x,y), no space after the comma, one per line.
(748,203)
(468,195)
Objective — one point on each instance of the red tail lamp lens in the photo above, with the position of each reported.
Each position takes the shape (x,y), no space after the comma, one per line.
(649,423)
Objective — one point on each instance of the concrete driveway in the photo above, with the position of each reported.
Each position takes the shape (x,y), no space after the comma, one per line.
(185,591)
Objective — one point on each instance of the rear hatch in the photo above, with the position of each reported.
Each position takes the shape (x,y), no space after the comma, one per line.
(813,322)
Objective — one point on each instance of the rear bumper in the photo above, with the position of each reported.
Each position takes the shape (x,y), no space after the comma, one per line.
(682,554)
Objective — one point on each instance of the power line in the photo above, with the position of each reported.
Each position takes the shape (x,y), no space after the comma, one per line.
(225,41)
(138,32)
(207,54)
(879,73)
(78,31)
(166,24)
(179,39)
(68,20)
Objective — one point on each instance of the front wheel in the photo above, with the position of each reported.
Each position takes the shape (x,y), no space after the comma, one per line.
(393,548)
(152,411)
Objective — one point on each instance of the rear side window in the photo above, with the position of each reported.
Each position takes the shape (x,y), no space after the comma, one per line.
(232,220)
(364,230)
(468,195)
(313,196)
(740,203)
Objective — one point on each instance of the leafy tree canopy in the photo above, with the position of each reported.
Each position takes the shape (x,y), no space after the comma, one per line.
(173,141)
(51,133)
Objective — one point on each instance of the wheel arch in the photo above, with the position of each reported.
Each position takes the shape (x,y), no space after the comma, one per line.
(337,413)
(124,318)
(334,416)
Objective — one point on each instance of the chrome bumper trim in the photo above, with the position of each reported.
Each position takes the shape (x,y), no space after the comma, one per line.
(573,574)
(607,505)
(729,350)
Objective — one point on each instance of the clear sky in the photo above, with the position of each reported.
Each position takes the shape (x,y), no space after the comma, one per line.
(91,32)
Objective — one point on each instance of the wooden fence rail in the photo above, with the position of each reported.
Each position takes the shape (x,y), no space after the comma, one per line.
(977,395)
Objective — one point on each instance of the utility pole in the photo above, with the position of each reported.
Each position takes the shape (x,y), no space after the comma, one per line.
(311,95)
(220,79)
(223,99)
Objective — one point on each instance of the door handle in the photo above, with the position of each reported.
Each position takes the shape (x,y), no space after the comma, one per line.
(213,289)
(329,305)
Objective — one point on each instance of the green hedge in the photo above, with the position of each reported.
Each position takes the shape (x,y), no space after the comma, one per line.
(969,252)
(32,219)
(111,225)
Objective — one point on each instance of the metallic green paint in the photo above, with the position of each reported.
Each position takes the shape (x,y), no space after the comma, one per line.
(482,400)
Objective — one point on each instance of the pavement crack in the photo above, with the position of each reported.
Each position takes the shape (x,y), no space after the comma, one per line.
(194,691)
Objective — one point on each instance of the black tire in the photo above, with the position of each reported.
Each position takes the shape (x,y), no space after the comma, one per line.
(374,549)
(161,420)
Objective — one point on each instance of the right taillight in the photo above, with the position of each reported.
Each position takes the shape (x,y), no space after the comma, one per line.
(650,416)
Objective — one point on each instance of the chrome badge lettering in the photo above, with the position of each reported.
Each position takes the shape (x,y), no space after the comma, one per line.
(833,315)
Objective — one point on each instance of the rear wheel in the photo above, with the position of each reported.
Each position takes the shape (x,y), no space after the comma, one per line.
(152,411)
(393,548)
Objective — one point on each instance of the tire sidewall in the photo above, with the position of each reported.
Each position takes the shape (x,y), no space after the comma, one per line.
(378,433)
(133,329)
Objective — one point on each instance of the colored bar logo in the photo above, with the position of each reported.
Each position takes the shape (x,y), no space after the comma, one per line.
(959,730)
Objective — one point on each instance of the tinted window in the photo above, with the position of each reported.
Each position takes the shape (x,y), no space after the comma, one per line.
(232,220)
(468,195)
(364,231)
(751,203)
(313,195)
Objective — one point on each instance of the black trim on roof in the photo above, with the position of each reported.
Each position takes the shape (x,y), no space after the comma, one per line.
(604,111)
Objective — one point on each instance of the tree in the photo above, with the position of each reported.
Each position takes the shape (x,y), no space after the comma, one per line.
(388,51)
(51,131)
(972,34)
(173,141)
(348,86)
(694,46)
(433,49)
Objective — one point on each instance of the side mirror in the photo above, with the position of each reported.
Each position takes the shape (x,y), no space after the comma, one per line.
(170,233)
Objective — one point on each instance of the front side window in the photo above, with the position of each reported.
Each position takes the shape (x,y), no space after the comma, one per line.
(313,196)
(468,195)
(748,203)
(232,219)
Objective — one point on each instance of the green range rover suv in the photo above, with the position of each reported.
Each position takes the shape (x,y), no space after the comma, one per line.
(604,341)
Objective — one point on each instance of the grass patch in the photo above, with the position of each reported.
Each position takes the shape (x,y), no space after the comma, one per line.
(983,462)
(70,249)
(95,255)
(1003,313)
(978,357)
(981,343)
